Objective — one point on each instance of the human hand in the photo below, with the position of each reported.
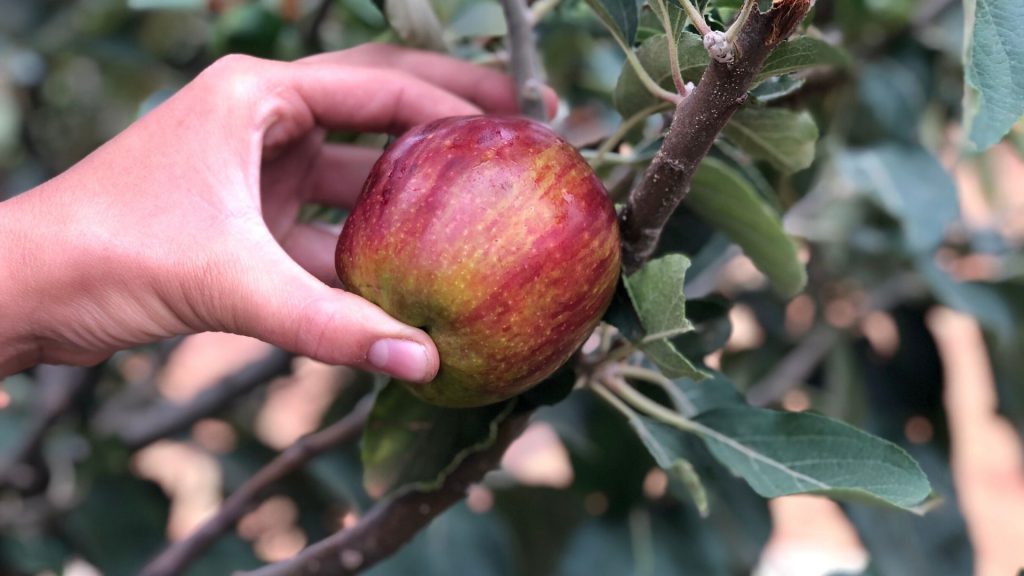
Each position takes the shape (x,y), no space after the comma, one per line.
(186,221)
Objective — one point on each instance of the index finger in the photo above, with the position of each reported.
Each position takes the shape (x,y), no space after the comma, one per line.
(372,100)
(490,89)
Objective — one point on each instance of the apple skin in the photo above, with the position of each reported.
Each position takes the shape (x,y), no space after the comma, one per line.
(494,236)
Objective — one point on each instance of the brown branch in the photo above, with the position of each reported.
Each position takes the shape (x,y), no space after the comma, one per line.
(175,558)
(58,387)
(697,121)
(392,523)
(524,59)
(163,421)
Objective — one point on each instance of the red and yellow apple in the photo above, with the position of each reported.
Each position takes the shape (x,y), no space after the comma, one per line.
(494,236)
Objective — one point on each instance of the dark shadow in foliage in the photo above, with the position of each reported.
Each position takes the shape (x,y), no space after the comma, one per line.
(910,384)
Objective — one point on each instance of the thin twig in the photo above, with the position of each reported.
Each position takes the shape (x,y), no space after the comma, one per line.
(391,523)
(524,59)
(175,558)
(163,421)
(58,388)
(697,121)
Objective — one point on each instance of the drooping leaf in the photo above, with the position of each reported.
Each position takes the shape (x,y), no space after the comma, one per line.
(725,199)
(621,17)
(993,69)
(783,137)
(911,185)
(800,54)
(409,443)
(656,291)
(665,446)
(781,453)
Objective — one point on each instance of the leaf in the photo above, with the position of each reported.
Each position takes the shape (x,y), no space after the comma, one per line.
(724,198)
(415,22)
(993,69)
(780,136)
(630,95)
(665,446)
(800,54)
(621,17)
(777,87)
(781,453)
(409,444)
(656,291)
(911,185)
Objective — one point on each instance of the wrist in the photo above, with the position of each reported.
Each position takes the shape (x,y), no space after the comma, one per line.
(19,346)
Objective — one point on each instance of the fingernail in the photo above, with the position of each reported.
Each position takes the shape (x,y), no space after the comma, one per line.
(402,359)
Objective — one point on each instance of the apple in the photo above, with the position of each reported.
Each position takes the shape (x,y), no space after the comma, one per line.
(494,236)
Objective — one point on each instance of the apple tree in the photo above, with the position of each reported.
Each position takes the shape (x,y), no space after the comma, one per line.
(781,173)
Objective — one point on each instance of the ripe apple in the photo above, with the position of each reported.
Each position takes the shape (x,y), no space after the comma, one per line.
(494,236)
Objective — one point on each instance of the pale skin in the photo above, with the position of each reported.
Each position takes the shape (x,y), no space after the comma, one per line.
(186,221)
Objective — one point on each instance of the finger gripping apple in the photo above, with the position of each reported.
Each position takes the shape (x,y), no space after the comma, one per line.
(493,235)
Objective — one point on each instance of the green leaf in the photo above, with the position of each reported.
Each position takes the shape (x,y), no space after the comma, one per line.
(415,22)
(725,199)
(409,444)
(993,69)
(656,291)
(630,95)
(911,185)
(621,17)
(665,445)
(800,54)
(781,453)
(777,87)
(782,137)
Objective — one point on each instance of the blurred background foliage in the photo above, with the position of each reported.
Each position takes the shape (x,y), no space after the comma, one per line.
(894,220)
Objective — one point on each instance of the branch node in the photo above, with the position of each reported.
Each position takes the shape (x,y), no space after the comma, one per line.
(719,47)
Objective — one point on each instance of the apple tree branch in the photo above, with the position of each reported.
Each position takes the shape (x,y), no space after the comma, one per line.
(176,557)
(391,523)
(697,121)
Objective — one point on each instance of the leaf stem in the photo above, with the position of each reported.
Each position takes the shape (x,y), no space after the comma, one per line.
(645,78)
(661,9)
(740,21)
(696,17)
(651,408)
(681,402)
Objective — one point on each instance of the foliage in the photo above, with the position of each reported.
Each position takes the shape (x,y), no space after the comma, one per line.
(831,180)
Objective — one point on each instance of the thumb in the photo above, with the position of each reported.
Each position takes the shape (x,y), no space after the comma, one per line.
(293,310)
